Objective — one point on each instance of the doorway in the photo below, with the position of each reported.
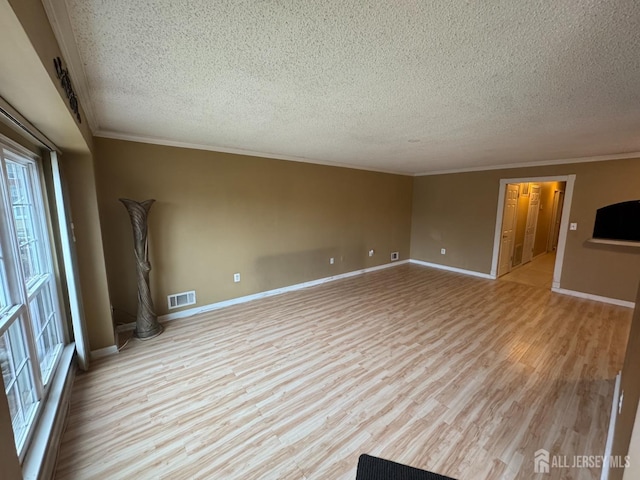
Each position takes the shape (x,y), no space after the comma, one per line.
(531,230)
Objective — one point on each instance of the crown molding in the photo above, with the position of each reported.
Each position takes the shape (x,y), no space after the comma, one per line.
(292,158)
(61,25)
(238,151)
(561,161)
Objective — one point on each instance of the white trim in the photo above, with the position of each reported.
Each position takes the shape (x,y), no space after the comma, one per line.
(564,221)
(40,459)
(60,22)
(13,119)
(597,298)
(16,148)
(293,158)
(125,327)
(541,163)
(564,228)
(454,269)
(70,262)
(234,301)
(269,293)
(618,243)
(248,298)
(604,475)
(238,151)
(104,352)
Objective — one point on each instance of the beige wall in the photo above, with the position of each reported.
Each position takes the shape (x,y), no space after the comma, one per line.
(465,224)
(275,222)
(78,173)
(35,23)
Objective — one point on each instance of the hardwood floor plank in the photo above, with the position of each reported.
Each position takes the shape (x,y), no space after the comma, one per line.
(454,374)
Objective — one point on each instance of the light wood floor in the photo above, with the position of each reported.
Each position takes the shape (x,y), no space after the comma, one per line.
(458,375)
(537,273)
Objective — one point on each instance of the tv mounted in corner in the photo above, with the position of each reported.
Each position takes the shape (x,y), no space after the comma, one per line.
(620,221)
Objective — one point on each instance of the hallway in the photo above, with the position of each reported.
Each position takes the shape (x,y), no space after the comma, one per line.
(537,273)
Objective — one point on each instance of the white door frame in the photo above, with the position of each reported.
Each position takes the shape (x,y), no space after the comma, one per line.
(556,207)
(564,222)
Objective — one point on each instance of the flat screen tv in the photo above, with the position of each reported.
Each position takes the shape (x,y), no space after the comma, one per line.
(620,221)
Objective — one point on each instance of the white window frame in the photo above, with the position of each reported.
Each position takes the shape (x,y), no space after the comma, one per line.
(11,279)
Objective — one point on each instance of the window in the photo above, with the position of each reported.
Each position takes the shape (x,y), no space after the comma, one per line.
(31,329)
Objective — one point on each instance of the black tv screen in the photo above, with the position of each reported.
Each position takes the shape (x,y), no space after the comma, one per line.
(620,221)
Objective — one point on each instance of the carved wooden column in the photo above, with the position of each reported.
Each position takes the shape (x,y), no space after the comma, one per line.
(147,325)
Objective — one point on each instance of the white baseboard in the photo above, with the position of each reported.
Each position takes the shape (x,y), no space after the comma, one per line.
(248,298)
(454,269)
(104,352)
(597,298)
(126,327)
(41,458)
(612,427)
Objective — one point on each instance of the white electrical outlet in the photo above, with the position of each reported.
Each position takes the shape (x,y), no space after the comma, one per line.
(620,402)
(443,251)
(236,277)
(371,252)
(395,256)
(332,260)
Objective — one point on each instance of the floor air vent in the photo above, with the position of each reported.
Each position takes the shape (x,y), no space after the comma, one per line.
(182,299)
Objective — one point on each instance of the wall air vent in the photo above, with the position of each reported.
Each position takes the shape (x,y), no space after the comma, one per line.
(182,299)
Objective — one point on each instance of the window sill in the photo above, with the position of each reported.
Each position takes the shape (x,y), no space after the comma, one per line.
(47,435)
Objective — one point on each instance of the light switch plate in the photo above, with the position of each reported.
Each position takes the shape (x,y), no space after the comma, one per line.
(573,226)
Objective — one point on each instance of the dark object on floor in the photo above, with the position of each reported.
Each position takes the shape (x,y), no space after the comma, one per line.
(374,468)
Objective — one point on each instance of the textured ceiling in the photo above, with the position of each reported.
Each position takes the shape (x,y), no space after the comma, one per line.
(405,86)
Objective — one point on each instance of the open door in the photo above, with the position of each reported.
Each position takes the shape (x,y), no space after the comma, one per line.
(532,222)
(508,228)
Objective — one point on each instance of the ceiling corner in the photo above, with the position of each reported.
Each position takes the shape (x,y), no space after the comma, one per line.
(61,25)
